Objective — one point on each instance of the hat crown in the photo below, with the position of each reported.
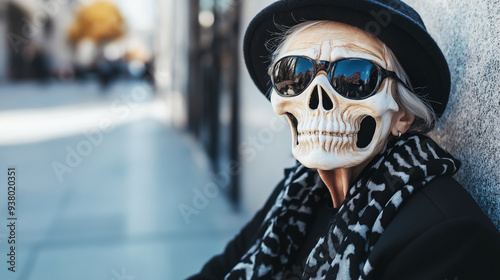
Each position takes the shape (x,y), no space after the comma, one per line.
(395,5)
(403,8)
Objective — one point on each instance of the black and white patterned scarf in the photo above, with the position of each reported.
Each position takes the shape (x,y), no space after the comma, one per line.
(405,165)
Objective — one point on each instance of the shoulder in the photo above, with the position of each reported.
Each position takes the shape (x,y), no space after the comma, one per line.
(440,228)
(442,199)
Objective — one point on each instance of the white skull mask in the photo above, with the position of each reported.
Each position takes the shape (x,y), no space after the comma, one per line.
(331,131)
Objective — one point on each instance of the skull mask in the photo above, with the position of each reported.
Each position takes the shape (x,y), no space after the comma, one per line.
(331,131)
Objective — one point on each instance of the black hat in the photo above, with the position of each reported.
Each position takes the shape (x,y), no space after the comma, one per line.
(392,21)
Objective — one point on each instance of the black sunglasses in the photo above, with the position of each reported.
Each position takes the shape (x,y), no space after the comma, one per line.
(353,78)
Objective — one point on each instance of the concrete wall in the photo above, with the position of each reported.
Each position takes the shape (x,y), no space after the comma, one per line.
(469,34)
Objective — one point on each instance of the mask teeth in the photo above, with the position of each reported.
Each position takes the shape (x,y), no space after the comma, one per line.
(328,132)
(328,141)
(345,141)
(322,138)
(325,133)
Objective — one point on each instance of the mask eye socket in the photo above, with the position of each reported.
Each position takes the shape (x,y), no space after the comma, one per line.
(291,75)
(355,78)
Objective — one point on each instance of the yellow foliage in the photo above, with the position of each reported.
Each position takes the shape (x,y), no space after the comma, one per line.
(99,21)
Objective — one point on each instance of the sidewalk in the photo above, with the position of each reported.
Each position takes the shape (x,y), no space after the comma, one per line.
(110,209)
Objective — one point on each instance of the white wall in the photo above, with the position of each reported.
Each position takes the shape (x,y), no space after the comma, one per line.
(170,45)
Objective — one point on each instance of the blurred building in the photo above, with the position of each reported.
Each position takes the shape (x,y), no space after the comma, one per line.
(55,39)
(211,95)
(198,74)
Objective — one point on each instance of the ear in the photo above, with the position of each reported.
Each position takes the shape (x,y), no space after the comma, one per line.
(402,122)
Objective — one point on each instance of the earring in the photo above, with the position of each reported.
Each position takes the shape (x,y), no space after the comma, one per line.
(399,134)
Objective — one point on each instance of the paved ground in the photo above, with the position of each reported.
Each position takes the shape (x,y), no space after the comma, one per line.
(104,204)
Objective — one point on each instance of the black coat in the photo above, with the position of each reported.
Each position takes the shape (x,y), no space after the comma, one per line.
(440,233)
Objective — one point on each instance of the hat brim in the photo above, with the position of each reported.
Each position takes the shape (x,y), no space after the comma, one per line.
(414,48)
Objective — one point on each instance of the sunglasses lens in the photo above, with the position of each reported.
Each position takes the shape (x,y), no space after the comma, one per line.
(355,78)
(292,75)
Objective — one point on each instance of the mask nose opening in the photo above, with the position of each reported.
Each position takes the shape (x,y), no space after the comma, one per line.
(326,101)
(314,101)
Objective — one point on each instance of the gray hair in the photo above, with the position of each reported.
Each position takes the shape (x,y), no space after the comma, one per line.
(409,102)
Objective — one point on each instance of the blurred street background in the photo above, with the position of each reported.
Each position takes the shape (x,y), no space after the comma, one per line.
(140,143)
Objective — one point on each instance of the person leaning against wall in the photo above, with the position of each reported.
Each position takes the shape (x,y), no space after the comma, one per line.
(371,196)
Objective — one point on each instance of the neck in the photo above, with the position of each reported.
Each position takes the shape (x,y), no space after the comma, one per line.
(339,180)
